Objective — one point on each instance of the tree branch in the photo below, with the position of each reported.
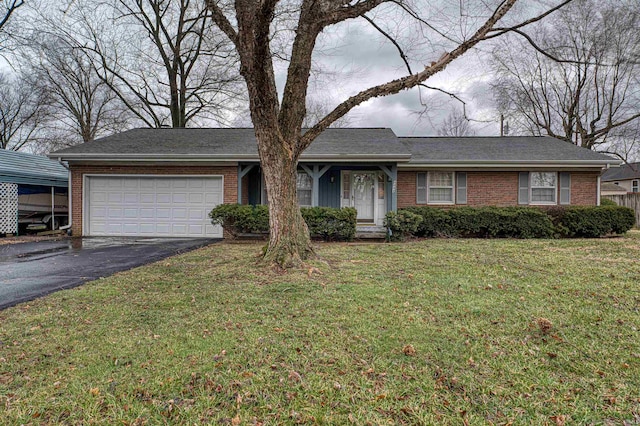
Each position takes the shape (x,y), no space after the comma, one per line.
(407,82)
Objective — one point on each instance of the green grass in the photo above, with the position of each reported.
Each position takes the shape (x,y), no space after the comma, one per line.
(436,331)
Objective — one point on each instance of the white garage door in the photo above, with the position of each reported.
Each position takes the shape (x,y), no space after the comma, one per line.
(152,206)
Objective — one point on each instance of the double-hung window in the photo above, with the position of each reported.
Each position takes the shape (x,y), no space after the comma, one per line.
(440,187)
(304,183)
(544,187)
(635,185)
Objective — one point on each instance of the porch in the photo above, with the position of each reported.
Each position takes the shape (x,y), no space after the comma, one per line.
(369,188)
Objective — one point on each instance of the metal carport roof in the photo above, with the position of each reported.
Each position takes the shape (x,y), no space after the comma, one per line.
(30,169)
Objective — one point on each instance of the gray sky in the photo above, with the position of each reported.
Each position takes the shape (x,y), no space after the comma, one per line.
(354,56)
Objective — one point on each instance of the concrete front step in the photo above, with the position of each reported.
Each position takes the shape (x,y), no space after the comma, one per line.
(371,232)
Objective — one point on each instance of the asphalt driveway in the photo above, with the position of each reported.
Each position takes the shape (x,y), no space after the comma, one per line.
(34,269)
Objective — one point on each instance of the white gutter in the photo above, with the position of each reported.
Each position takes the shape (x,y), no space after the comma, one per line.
(230,159)
(510,164)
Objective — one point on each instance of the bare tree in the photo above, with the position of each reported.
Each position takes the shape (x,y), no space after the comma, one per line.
(318,108)
(249,24)
(79,105)
(21,113)
(164,59)
(8,7)
(456,125)
(6,10)
(577,80)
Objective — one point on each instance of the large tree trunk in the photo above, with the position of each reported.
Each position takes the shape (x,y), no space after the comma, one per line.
(289,242)
(278,125)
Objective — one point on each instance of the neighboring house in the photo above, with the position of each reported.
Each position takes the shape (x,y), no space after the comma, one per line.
(163,182)
(626,177)
(608,188)
(33,190)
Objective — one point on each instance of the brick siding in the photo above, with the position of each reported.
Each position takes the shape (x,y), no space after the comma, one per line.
(495,188)
(230,174)
(584,188)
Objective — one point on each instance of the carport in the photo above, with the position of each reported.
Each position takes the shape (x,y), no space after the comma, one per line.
(33,189)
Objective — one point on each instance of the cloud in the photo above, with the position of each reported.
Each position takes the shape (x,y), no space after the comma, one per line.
(354,57)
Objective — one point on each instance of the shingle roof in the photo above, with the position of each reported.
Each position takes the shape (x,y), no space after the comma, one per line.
(611,187)
(498,149)
(30,169)
(239,143)
(626,171)
(344,144)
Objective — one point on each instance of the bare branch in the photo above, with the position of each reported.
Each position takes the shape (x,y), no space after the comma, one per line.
(408,81)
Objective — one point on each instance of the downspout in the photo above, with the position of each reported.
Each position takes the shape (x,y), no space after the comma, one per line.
(67,227)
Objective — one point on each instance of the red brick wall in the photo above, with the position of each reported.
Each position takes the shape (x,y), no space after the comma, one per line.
(495,188)
(492,189)
(407,182)
(584,188)
(229,173)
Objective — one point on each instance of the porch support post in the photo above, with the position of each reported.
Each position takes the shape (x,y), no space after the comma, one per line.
(393,175)
(316,172)
(242,172)
(53,207)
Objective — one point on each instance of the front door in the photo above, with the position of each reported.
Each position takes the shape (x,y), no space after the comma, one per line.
(363,195)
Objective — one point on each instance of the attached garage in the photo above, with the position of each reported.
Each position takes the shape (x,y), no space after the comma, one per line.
(151,206)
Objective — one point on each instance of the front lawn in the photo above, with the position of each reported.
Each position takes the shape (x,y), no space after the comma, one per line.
(437,331)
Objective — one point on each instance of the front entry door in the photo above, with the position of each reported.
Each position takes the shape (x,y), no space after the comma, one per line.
(363,187)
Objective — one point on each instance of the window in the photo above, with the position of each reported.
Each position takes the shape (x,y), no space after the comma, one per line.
(304,185)
(440,187)
(421,188)
(635,186)
(543,187)
(346,185)
(382,182)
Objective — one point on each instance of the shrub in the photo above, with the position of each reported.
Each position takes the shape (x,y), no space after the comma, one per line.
(607,202)
(435,221)
(330,223)
(402,224)
(241,218)
(592,222)
(323,222)
(483,222)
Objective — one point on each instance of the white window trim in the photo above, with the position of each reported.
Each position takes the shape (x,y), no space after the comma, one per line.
(635,183)
(452,187)
(298,190)
(543,203)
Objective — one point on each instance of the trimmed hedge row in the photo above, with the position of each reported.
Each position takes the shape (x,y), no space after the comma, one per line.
(327,223)
(510,222)
(592,222)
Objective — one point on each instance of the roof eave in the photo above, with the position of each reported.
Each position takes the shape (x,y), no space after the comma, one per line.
(223,158)
(510,164)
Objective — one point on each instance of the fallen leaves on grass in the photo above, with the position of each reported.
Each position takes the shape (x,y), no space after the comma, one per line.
(295,377)
(409,350)
(544,325)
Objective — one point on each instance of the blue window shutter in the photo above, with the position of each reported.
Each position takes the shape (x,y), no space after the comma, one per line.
(565,188)
(461,193)
(421,188)
(523,188)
